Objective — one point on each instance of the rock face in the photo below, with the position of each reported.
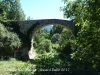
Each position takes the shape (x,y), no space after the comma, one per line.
(29,27)
(31,54)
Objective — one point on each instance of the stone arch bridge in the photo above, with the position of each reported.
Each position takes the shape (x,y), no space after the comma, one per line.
(28,28)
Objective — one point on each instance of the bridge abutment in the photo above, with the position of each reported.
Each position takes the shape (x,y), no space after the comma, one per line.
(21,53)
(26,51)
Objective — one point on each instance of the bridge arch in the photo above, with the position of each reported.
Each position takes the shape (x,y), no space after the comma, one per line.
(41,23)
(29,28)
(33,25)
(41,26)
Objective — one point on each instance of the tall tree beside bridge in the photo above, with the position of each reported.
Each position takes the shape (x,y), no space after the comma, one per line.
(9,41)
(87,42)
(13,10)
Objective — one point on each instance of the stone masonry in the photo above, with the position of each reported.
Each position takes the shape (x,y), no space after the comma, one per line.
(35,25)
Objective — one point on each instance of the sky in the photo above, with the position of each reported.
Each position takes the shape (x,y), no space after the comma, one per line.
(42,9)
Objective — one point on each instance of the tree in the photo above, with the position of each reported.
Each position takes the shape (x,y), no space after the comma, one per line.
(29,18)
(56,38)
(56,29)
(86,44)
(41,35)
(8,41)
(13,10)
(66,37)
(2,11)
(9,10)
(45,46)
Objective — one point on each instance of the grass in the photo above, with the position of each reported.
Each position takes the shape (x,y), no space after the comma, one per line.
(13,65)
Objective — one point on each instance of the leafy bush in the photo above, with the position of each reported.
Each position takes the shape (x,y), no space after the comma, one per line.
(56,38)
(45,45)
(8,40)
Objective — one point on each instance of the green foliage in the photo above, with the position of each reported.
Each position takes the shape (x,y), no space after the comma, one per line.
(41,35)
(82,10)
(16,67)
(66,36)
(9,41)
(76,9)
(55,46)
(86,44)
(2,12)
(49,63)
(58,55)
(56,38)
(9,7)
(45,45)
(56,29)
(12,26)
